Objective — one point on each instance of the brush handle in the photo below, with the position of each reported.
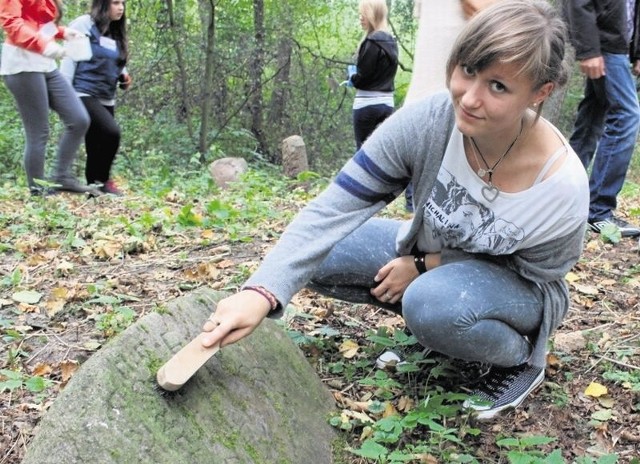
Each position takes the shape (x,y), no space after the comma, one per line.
(181,367)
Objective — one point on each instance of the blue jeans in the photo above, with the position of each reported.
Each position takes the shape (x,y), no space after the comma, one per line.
(605,132)
(473,310)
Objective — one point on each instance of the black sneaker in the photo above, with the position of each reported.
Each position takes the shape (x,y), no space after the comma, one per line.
(37,191)
(626,229)
(503,388)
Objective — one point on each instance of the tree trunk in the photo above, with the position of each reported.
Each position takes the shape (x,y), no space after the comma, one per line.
(208,9)
(255,76)
(277,107)
(184,112)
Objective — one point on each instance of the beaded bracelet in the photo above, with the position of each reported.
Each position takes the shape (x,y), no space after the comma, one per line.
(267,294)
(418,260)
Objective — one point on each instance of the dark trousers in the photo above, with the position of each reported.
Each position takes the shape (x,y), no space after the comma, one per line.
(102,140)
(365,121)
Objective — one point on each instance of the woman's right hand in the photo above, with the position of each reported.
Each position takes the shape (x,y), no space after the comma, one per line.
(235,317)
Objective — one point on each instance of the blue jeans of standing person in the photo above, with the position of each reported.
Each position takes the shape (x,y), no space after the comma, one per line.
(605,132)
(473,310)
(35,93)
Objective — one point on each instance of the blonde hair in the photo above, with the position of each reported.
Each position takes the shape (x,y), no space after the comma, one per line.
(528,32)
(375,12)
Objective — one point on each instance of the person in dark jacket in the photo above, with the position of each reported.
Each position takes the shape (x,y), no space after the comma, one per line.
(608,117)
(96,80)
(376,66)
(373,75)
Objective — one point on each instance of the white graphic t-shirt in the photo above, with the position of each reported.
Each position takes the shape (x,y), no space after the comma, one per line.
(458,216)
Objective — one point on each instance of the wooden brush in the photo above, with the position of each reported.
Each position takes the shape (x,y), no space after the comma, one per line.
(181,367)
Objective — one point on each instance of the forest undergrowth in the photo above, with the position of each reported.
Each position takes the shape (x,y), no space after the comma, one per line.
(77,271)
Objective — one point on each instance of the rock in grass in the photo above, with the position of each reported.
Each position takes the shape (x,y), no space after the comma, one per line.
(258,401)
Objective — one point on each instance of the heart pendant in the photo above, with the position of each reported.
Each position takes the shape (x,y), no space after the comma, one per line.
(490,192)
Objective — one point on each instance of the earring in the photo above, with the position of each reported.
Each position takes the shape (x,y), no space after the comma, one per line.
(535,104)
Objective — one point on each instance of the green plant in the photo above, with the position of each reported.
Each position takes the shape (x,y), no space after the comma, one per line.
(629,379)
(11,280)
(610,233)
(523,450)
(14,380)
(606,459)
(115,320)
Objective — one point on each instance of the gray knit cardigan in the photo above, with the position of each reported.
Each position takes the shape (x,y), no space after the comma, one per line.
(408,146)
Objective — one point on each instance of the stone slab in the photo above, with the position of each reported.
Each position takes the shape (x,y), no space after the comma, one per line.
(257,401)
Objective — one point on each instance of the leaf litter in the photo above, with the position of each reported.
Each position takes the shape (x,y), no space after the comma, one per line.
(61,293)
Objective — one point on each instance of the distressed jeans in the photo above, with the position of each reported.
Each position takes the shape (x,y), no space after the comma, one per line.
(473,310)
(605,132)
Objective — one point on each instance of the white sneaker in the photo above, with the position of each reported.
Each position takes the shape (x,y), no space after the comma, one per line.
(399,355)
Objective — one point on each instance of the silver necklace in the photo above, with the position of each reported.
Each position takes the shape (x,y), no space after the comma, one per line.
(490,192)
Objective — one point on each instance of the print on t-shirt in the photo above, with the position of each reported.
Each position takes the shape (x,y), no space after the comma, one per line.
(457,220)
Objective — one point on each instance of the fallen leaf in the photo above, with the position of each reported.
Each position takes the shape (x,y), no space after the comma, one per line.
(53,307)
(596,390)
(572,277)
(64,267)
(226,263)
(60,293)
(349,349)
(27,296)
(43,370)
(586,289)
(389,410)
(361,416)
(603,415)
(208,234)
(606,402)
(67,369)
(91,346)
(405,404)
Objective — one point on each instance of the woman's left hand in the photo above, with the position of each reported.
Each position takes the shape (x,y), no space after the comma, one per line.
(393,279)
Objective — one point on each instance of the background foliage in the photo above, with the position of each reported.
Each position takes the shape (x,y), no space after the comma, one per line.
(212,80)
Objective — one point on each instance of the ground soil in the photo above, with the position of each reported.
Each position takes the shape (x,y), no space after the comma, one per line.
(601,334)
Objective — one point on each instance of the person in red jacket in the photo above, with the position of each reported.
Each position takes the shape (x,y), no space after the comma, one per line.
(28,66)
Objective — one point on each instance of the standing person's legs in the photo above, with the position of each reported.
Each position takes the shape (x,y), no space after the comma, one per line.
(589,121)
(476,311)
(366,119)
(30,92)
(618,140)
(101,140)
(347,273)
(64,101)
